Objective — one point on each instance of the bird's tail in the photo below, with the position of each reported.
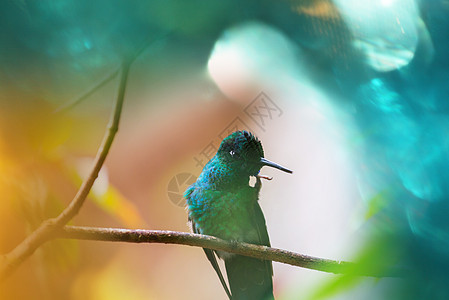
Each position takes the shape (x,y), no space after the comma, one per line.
(249,278)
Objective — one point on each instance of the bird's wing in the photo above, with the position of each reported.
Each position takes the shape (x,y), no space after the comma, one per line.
(213,260)
(251,278)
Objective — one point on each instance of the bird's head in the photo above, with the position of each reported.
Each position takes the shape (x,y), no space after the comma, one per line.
(242,153)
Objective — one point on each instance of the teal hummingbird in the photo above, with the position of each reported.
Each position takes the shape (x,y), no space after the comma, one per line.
(222,203)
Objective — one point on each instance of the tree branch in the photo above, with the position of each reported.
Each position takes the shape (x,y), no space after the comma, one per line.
(11,260)
(204,241)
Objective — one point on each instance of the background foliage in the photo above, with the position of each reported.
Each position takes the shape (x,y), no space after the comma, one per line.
(362,90)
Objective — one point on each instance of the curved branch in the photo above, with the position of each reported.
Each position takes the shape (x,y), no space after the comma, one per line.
(204,241)
(11,260)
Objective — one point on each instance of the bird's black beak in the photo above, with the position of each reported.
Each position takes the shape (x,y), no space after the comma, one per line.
(266,162)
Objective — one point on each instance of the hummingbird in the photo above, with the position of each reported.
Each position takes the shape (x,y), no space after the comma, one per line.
(222,203)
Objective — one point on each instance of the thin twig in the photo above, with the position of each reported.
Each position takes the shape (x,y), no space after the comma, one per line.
(10,261)
(204,241)
(89,93)
(144,46)
(43,232)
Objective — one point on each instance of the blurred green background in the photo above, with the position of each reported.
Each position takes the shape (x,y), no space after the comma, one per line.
(350,95)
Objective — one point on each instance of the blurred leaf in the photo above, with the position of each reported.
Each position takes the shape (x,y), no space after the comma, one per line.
(376,204)
(113,202)
(107,197)
(113,281)
(61,255)
(377,257)
(336,286)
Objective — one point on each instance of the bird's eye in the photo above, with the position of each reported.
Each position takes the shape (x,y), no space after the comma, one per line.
(232,152)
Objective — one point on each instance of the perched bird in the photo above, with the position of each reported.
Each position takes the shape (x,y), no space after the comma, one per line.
(222,203)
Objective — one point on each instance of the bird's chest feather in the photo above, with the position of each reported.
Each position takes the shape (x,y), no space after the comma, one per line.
(224,214)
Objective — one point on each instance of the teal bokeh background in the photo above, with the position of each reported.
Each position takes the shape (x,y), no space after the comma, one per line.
(55,50)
